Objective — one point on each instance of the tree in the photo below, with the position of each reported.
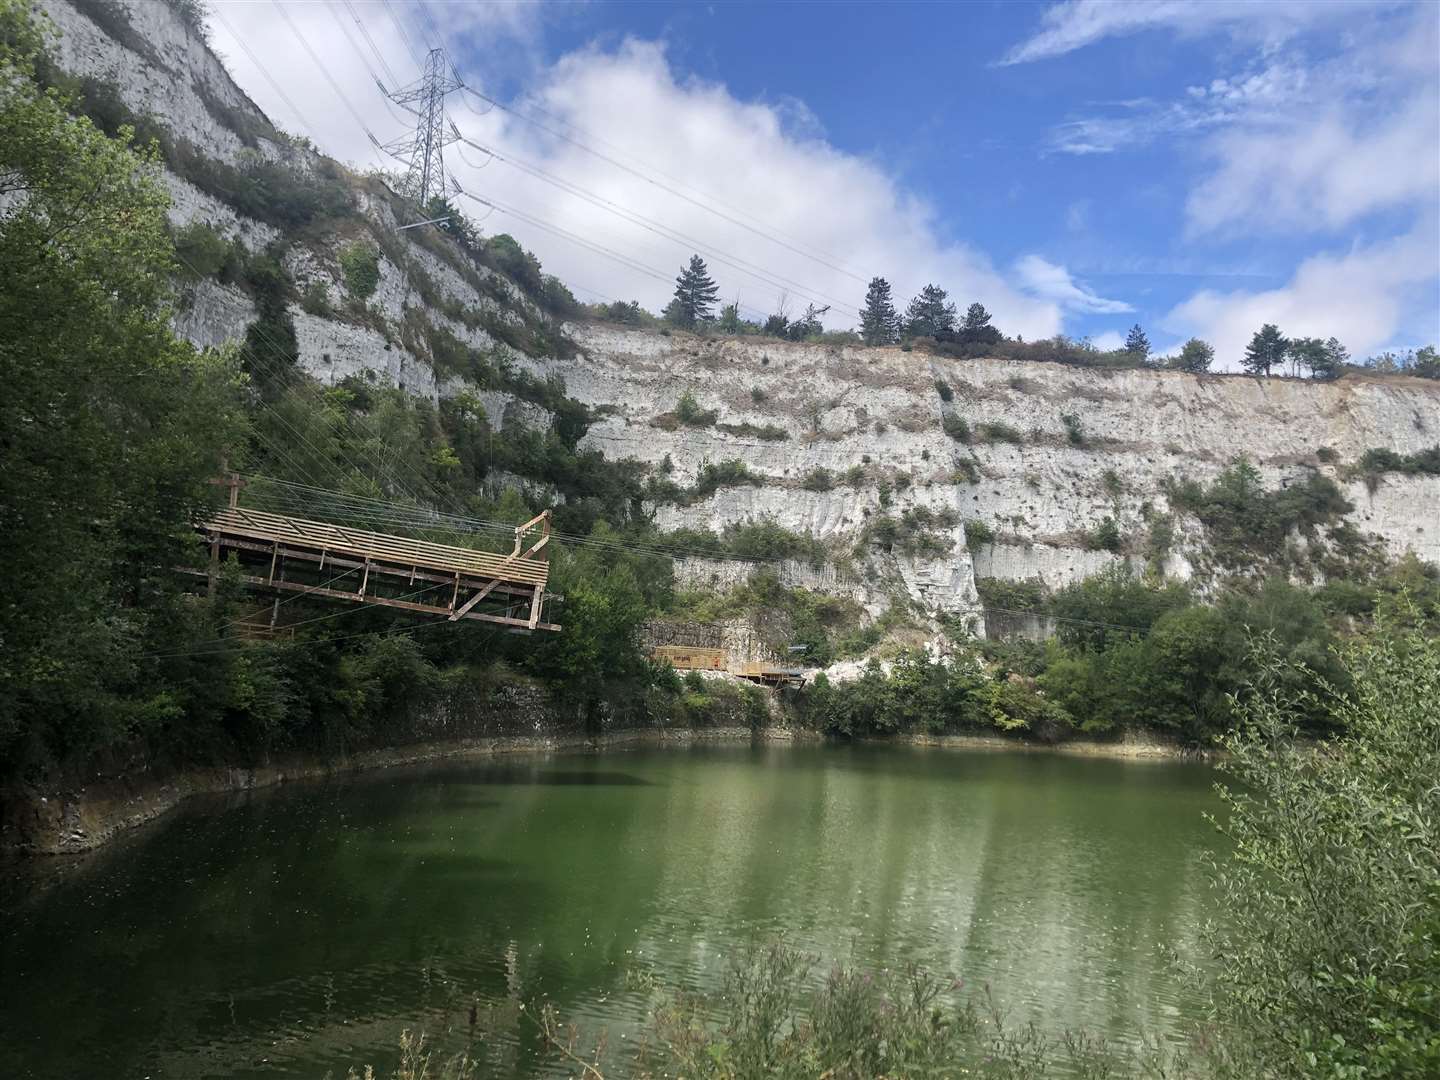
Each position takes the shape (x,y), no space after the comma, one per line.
(729,322)
(112,429)
(1427,363)
(930,314)
(976,330)
(879,321)
(807,325)
(1336,357)
(1328,961)
(695,294)
(1322,359)
(1266,349)
(1196,356)
(1137,343)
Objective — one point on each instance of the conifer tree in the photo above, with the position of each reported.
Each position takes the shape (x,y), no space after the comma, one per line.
(1195,356)
(930,314)
(695,294)
(1136,342)
(1266,349)
(879,321)
(976,330)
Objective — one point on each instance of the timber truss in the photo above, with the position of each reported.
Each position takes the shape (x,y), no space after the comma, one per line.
(320,559)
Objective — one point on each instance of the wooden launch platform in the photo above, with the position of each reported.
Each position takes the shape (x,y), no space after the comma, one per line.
(478,585)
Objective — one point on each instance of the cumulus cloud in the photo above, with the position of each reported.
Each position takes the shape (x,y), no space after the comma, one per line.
(1360,296)
(1054,283)
(1075,24)
(782,217)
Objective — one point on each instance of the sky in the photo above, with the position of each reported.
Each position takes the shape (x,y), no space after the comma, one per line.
(1199,167)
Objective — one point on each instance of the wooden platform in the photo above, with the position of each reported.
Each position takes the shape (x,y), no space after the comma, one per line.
(478,585)
(692,658)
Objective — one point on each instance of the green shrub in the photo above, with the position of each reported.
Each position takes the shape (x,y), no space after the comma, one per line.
(1326,455)
(1030,595)
(966,472)
(766,433)
(956,427)
(818,479)
(689,413)
(360,263)
(316,300)
(978,534)
(1103,537)
(1328,963)
(999,431)
(943,389)
(1073,431)
(203,252)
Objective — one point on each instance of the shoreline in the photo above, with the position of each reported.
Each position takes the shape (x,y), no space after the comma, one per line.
(76,820)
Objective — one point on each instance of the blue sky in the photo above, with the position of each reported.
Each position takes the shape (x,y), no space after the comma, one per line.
(1197,167)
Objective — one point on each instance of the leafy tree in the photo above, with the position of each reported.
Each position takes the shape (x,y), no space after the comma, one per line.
(930,314)
(777,325)
(879,321)
(1328,959)
(1427,363)
(1266,349)
(976,329)
(695,294)
(112,428)
(1196,356)
(1309,354)
(729,322)
(1137,343)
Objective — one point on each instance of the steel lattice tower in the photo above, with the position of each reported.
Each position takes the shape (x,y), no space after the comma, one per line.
(423,152)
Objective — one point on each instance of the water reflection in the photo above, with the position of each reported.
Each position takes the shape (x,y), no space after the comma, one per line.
(298,930)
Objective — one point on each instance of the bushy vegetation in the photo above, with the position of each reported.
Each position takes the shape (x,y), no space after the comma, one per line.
(918,531)
(360,265)
(1328,963)
(1245,523)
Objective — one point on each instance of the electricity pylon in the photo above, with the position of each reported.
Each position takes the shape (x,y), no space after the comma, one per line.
(423,150)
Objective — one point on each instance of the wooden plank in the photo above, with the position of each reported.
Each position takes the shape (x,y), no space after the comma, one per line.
(396,549)
(410,573)
(459,613)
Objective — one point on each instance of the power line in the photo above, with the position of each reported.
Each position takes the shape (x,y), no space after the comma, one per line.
(674,235)
(664,187)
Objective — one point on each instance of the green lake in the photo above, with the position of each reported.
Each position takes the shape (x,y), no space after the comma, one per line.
(298,930)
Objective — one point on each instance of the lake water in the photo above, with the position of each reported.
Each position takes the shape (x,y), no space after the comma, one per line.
(298,930)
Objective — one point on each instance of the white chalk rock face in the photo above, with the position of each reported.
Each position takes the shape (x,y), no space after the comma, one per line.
(1036,456)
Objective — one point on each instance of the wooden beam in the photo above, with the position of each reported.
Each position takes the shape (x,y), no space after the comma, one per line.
(459,613)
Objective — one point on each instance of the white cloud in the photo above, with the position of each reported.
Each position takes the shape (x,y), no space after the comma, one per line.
(1054,283)
(764,165)
(1361,296)
(1075,24)
(1321,174)
(1108,340)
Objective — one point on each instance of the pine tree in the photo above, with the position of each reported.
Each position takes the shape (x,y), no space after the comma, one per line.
(1195,356)
(1136,342)
(930,315)
(695,294)
(879,321)
(1266,349)
(1309,354)
(976,330)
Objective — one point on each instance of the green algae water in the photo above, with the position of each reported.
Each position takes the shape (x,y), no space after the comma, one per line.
(297,931)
